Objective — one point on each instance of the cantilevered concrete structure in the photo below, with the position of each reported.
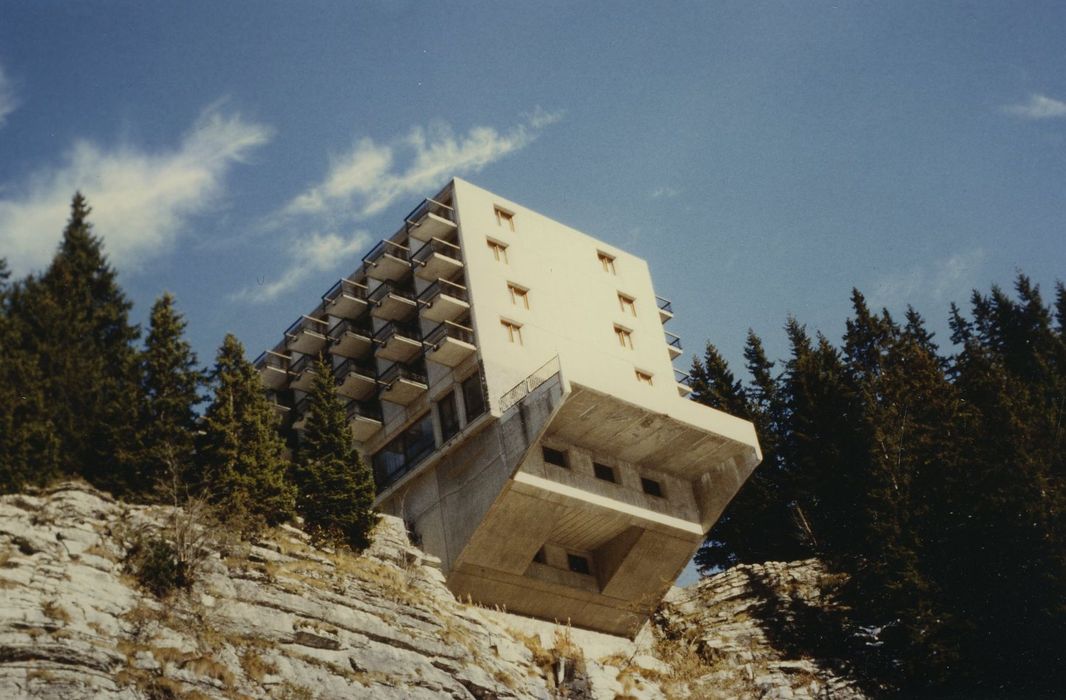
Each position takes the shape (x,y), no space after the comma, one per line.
(511,382)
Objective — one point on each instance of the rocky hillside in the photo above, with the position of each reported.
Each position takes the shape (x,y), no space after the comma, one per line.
(280,618)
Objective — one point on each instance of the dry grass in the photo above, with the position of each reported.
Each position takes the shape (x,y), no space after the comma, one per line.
(54,611)
(255,666)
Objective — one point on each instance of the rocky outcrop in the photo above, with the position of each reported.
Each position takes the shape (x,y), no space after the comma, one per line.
(281,618)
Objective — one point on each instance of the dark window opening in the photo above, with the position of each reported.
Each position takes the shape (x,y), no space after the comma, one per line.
(474,397)
(449,416)
(403,452)
(556,457)
(540,557)
(604,472)
(578,564)
(651,487)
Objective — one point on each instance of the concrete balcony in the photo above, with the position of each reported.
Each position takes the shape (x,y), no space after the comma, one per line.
(673,345)
(437,259)
(666,309)
(356,380)
(364,419)
(281,408)
(388,261)
(401,384)
(353,340)
(450,344)
(307,335)
(443,301)
(391,302)
(300,413)
(431,219)
(398,342)
(273,369)
(346,299)
(684,383)
(303,373)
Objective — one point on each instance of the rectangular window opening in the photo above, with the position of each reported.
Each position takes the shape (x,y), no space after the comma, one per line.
(519,295)
(625,337)
(578,564)
(504,218)
(449,416)
(499,251)
(628,304)
(607,262)
(643,377)
(474,397)
(604,472)
(556,457)
(651,487)
(514,331)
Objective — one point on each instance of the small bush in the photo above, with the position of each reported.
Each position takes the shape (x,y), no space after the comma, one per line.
(158,567)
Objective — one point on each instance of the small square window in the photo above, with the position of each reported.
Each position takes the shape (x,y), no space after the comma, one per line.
(604,472)
(625,337)
(651,487)
(504,218)
(499,251)
(607,262)
(628,304)
(556,457)
(519,295)
(643,377)
(514,331)
(578,564)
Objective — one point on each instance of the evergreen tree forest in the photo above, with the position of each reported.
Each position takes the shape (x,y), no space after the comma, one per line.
(933,477)
(81,397)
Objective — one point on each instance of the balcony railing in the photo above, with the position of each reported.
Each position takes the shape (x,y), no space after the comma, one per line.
(343,326)
(386,288)
(449,330)
(346,287)
(682,378)
(363,409)
(387,247)
(365,369)
(306,323)
(305,362)
(664,305)
(405,330)
(398,371)
(673,340)
(269,358)
(436,245)
(452,289)
(430,206)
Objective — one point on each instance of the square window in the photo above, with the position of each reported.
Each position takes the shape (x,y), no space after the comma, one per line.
(643,377)
(651,487)
(607,262)
(519,295)
(556,457)
(514,331)
(499,251)
(628,304)
(578,564)
(625,337)
(504,218)
(604,472)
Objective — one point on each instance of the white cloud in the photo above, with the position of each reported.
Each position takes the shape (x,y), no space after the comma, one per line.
(950,279)
(141,201)
(8,101)
(1038,107)
(318,253)
(373,175)
(664,192)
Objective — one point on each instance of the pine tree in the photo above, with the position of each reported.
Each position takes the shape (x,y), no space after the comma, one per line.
(335,486)
(172,383)
(75,324)
(241,456)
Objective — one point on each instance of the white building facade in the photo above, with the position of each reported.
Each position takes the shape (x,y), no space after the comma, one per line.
(510,380)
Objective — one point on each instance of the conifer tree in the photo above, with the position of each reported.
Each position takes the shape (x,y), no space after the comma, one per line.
(74,323)
(335,486)
(241,456)
(172,384)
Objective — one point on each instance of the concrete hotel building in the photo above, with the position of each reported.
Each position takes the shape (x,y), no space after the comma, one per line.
(510,381)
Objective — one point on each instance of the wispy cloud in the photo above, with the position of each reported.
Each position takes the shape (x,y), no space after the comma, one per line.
(373,175)
(8,100)
(664,192)
(1038,107)
(141,201)
(950,279)
(317,253)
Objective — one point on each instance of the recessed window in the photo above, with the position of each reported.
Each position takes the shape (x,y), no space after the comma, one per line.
(556,457)
(540,557)
(607,262)
(578,564)
(604,472)
(474,397)
(628,304)
(499,251)
(504,218)
(513,330)
(643,377)
(625,337)
(448,415)
(519,295)
(651,487)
